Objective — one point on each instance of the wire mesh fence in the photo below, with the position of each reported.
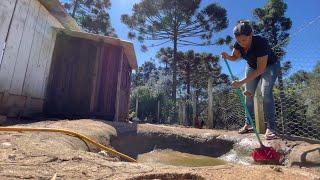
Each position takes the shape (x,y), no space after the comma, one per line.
(297,100)
(298,112)
(228,112)
(297,96)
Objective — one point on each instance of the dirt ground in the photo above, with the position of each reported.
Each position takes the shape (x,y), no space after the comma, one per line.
(43,155)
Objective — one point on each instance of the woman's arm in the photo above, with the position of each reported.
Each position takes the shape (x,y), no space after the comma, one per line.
(261,66)
(235,55)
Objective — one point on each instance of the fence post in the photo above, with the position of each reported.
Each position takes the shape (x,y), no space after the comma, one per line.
(194,108)
(158,111)
(258,111)
(179,112)
(210,99)
(137,106)
(184,122)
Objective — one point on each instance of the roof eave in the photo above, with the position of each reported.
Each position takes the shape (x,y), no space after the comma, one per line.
(57,10)
(127,46)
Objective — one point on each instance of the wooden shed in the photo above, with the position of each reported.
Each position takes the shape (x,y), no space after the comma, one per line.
(90,76)
(48,65)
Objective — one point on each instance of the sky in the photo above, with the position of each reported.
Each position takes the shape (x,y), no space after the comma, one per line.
(302,50)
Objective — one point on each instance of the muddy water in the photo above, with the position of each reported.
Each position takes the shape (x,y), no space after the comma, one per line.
(170,157)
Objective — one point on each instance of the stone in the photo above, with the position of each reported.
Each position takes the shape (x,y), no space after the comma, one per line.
(6,144)
(305,155)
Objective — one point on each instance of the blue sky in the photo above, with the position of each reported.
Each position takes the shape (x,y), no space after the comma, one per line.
(303,49)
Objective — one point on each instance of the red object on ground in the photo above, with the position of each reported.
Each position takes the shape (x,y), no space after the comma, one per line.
(265,154)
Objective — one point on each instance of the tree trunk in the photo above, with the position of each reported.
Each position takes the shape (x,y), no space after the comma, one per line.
(180,112)
(210,101)
(75,7)
(185,123)
(137,106)
(194,108)
(158,112)
(189,113)
(174,74)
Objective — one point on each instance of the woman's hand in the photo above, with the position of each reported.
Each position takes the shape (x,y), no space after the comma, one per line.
(236,84)
(224,55)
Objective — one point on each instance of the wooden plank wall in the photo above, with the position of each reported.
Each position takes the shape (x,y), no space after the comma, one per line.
(24,66)
(107,86)
(72,77)
(124,89)
(6,12)
(84,78)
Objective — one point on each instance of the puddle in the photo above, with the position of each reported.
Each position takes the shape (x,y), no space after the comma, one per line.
(175,158)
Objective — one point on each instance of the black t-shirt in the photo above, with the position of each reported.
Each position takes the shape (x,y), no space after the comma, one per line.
(259,47)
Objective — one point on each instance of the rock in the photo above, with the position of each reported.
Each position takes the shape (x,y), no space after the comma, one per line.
(12,157)
(276,168)
(305,155)
(77,158)
(6,144)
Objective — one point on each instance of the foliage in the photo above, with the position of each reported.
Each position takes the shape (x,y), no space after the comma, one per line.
(92,15)
(178,22)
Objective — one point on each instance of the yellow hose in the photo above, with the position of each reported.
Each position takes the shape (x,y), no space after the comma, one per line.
(67,132)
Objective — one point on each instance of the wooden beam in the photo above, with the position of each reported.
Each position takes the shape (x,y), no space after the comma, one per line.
(258,111)
(116,117)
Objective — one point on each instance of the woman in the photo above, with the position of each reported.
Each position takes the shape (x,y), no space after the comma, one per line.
(262,65)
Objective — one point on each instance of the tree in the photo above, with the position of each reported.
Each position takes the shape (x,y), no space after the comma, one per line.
(302,103)
(299,77)
(159,83)
(273,25)
(92,15)
(311,94)
(193,71)
(175,22)
(142,75)
(147,102)
(137,79)
(151,86)
(147,69)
